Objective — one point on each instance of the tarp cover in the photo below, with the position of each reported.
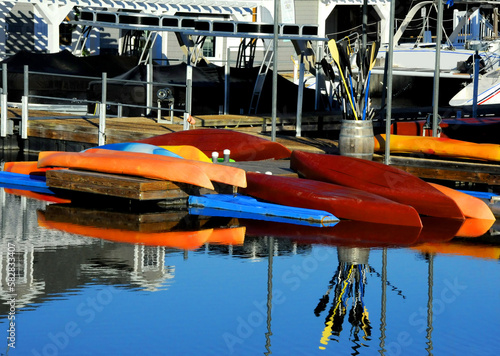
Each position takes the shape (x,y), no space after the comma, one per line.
(208,90)
(208,83)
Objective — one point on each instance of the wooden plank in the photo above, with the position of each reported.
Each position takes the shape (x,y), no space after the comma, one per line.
(279,167)
(121,186)
(463,171)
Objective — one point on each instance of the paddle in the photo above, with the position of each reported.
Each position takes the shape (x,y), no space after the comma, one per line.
(374,49)
(334,52)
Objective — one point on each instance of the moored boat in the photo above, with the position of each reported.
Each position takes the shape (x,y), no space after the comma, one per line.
(343,202)
(375,178)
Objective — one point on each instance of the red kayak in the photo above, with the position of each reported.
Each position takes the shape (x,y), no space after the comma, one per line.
(376,178)
(343,202)
(243,147)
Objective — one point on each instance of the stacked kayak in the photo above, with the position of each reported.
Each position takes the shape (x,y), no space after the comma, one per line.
(376,178)
(145,165)
(341,201)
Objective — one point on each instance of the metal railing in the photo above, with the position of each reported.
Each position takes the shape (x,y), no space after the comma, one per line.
(164,95)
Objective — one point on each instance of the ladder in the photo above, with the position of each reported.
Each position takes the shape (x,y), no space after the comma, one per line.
(261,78)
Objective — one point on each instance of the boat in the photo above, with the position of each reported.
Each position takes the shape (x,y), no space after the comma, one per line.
(24,181)
(183,151)
(188,152)
(138,147)
(242,146)
(470,206)
(439,146)
(375,178)
(241,206)
(472,228)
(414,57)
(488,88)
(343,202)
(25,167)
(146,165)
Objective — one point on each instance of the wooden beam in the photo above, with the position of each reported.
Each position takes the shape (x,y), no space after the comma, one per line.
(121,186)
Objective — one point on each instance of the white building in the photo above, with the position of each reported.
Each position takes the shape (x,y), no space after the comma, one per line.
(42,25)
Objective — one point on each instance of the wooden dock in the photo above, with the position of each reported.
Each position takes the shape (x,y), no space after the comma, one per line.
(73,133)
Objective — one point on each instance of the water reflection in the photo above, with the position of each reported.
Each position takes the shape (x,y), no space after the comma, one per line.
(347,283)
(62,249)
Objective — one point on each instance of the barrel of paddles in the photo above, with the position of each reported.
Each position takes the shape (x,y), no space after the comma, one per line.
(356,139)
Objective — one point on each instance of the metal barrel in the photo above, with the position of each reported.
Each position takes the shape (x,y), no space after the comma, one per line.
(356,139)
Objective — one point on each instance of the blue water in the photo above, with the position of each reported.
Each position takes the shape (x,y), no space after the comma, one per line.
(81,295)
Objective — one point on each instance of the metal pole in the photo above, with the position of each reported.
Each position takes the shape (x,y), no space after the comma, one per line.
(189,88)
(24,105)
(149,85)
(389,59)
(227,81)
(300,96)
(3,102)
(274,100)
(437,70)
(102,110)
(364,36)
(476,84)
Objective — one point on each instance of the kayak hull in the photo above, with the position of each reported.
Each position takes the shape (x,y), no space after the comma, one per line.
(147,166)
(439,146)
(243,147)
(343,202)
(376,178)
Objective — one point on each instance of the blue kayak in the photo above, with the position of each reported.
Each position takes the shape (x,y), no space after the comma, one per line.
(139,148)
(241,206)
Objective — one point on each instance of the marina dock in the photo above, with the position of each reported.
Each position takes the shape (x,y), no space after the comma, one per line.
(63,132)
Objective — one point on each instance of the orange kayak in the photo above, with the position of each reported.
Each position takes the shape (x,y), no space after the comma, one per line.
(475,227)
(188,152)
(149,166)
(25,167)
(146,165)
(470,206)
(439,146)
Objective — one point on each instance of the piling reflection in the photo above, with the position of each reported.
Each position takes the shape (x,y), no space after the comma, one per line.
(347,283)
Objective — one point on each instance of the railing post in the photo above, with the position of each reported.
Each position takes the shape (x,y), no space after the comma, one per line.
(24,105)
(189,91)
(3,103)
(227,81)
(102,110)
(300,96)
